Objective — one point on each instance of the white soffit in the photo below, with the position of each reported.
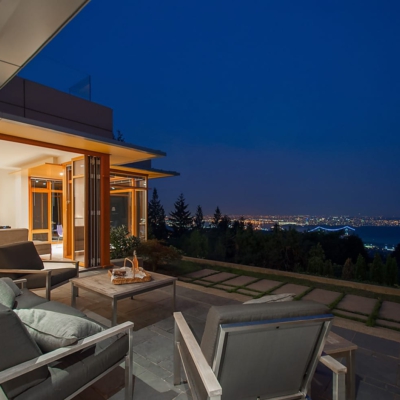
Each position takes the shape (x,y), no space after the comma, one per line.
(26,26)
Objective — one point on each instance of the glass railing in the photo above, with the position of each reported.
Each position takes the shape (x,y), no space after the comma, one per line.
(59,76)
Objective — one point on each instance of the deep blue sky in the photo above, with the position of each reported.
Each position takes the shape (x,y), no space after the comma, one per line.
(263,106)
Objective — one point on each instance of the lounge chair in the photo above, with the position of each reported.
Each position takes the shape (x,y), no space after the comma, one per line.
(22,261)
(256,351)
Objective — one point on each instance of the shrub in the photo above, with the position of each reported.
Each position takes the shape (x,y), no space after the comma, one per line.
(348,270)
(156,253)
(122,242)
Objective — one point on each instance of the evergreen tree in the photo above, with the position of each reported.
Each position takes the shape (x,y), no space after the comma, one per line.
(361,268)
(156,218)
(217,217)
(316,260)
(180,218)
(119,136)
(391,271)
(224,223)
(328,268)
(377,269)
(348,270)
(396,254)
(198,218)
(198,244)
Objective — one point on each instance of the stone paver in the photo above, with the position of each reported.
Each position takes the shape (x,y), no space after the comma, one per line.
(291,288)
(360,304)
(203,283)
(223,287)
(201,274)
(390,310)
(222,276)
(351,315)
(264,285)
(247,292)
(240,281)
(388,324)
(322,296)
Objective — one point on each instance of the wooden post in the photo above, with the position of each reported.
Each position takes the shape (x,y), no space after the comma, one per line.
(105,210)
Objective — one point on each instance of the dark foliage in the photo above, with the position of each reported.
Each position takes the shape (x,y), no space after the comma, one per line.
(156,218)
(180,218)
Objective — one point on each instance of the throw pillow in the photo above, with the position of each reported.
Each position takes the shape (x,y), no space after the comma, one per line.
(12,285)
(7,295)
(52,330)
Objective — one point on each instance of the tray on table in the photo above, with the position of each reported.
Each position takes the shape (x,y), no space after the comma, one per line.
(129,278)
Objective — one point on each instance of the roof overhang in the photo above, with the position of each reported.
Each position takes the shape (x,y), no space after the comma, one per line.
(23,130)
(151,173)
(26,26)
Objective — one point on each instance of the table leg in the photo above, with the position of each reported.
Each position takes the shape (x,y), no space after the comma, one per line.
(351,375)
(73,295)
(114,312)
(173,296)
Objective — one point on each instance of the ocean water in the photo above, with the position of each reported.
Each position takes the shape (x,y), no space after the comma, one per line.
(377,235)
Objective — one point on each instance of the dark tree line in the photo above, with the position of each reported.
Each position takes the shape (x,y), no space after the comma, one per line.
(326,254)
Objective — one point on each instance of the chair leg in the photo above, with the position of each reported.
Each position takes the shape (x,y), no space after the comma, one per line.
(177,357)
(128,368)
(338,387)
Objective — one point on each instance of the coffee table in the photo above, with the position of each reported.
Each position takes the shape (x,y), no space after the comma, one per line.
(338,347)
(101,284)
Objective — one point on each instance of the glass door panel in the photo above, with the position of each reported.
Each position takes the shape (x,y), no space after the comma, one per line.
(79,217)
(141,212)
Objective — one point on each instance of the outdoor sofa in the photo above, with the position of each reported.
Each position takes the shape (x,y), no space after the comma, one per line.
(51,351)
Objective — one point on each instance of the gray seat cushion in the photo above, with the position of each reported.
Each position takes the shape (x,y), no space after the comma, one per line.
(21,255)
(252,312)
(17,347)
(74,371)
(58,275)
(28,300)
(58,307)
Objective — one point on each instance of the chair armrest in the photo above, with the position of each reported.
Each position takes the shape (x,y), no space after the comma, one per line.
(339,372)
(54,355)
(33,271)
(76,263)
(22,282)
(204,371)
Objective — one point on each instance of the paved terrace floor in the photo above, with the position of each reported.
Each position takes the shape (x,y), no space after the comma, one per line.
(377,358)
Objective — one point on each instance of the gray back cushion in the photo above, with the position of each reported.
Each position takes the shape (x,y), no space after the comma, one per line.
(7,295)
(17,346)
(252,312)
(21,255)
(17,291)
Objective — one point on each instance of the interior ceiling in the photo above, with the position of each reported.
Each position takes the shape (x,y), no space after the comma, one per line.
(15,156)
(26,26)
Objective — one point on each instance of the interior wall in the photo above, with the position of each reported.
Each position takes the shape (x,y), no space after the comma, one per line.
(7,206)
(21,199)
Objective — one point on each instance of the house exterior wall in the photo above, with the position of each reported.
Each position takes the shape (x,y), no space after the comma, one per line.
(7,207)
(41,103)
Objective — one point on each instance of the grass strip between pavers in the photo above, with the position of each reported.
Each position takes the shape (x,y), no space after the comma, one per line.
(337,314)
(337,301)
(374,315)
(301,295)
(353,312)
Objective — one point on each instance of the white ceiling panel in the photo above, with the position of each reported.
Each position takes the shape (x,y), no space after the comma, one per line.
(26,26)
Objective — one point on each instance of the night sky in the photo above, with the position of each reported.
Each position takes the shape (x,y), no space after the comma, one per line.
(264,107)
